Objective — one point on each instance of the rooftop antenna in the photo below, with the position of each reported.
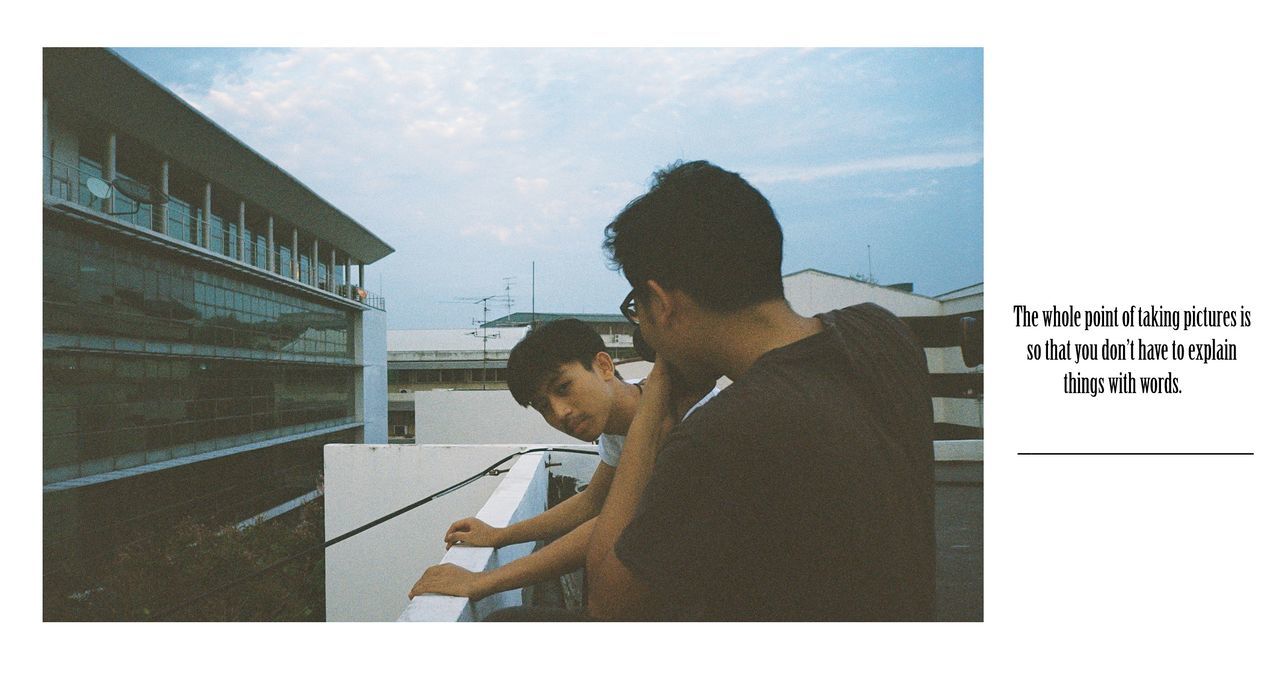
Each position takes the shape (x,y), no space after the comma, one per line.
(484,336)
(506,298)
(870,278)
(533,298)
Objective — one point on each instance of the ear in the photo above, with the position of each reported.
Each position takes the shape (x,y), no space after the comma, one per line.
(661,303)
(603,365)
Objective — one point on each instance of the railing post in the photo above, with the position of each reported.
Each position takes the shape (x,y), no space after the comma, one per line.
(205,224)
(242,231)
(164,190)
(111,170)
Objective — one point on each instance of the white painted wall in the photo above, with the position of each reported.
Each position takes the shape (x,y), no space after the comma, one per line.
(810,292)
(371,350)
(478,416)
(368,576)
(639,369)
(521,495)
(967,303)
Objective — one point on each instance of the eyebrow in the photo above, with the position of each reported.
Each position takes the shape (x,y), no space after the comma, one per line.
(541,394)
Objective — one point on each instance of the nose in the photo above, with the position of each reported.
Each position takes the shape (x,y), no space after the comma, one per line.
(560,409)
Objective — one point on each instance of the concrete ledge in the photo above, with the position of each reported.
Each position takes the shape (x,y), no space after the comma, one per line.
(958,449)
(521,495)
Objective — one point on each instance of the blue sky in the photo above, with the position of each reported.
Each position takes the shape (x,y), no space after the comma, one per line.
(473,164)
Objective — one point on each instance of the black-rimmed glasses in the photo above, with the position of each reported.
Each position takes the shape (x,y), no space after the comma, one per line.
(628,308)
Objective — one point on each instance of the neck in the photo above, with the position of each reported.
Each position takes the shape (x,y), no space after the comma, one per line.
(754,331)
(625,401)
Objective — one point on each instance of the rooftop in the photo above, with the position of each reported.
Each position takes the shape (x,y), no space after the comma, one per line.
(499,339)
(522,319)
(92,81)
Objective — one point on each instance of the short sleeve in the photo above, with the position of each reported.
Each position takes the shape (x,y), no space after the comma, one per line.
(611,449)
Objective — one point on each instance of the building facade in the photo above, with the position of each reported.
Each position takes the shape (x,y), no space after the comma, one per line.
(205,317)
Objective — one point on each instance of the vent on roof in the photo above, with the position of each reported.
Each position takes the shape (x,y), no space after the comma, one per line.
(905,286)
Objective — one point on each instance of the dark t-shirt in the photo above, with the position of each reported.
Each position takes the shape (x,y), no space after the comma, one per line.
(804,491)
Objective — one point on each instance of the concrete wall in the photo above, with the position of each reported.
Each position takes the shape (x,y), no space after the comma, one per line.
(470,416)
(521,495)
(812,292)
(639,369)
(371,395)
(962,304)
(368,576)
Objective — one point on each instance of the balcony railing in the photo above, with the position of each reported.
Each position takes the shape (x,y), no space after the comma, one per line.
(142,206)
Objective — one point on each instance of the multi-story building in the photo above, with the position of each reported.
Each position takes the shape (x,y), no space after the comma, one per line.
(202,323)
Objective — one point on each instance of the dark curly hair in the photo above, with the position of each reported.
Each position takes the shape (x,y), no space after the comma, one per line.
(703,230)
(542,351)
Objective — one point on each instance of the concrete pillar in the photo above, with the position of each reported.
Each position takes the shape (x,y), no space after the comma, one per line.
(346,275)
(163,215)
(243,231)
(362,275)
(315,262)
(208,210)
(295,260)
(271,243)
(111,170)
(333,270)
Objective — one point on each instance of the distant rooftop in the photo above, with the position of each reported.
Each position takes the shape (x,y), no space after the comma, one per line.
(524,319)
(499,339)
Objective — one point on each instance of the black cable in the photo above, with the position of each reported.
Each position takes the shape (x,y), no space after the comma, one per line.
(347,535)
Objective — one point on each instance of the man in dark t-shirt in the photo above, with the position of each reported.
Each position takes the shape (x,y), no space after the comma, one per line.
(805,490)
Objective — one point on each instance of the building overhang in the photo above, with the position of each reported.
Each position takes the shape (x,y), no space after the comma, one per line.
(92,80)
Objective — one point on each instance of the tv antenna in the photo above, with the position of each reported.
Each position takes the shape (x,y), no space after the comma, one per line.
(506,299)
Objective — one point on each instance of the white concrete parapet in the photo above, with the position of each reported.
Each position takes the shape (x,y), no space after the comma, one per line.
(522,495)
(368,577)
(957,449)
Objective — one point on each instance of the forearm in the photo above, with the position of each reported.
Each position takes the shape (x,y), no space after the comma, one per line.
(554,522)
(566,554)
(612,590)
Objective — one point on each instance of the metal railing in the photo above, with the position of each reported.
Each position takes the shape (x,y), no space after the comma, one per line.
(176,219)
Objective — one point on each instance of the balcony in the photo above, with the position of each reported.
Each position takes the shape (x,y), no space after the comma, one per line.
(368,576)
(140,206)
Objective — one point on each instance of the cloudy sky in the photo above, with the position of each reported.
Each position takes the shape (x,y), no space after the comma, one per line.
(475,164)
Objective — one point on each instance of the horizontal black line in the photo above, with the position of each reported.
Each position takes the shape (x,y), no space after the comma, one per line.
(1136,454)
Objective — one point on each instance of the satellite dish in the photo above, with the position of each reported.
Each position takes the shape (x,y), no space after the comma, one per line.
(98,187)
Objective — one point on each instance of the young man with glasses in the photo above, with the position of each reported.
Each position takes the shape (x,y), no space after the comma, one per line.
(805,492)
(563,371)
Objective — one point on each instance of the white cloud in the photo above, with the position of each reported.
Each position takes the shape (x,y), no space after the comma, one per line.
(527,186)
(898,163)
(472,152)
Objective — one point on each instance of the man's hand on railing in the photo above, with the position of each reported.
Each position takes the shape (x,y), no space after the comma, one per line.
(473,532)
(450,580)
